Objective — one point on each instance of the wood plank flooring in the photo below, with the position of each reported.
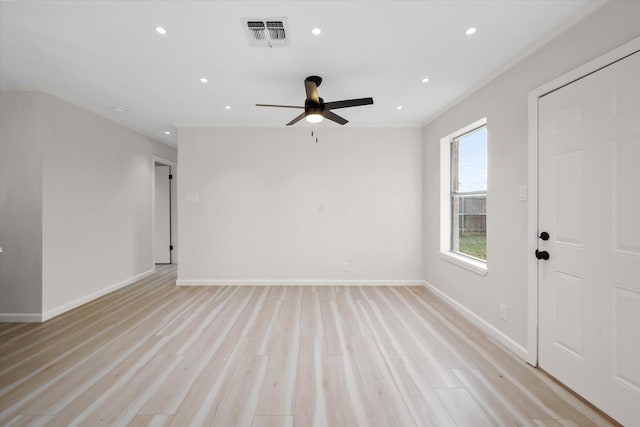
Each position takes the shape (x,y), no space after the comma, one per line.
(153,354)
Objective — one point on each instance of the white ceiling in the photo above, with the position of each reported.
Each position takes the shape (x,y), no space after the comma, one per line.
(97,54)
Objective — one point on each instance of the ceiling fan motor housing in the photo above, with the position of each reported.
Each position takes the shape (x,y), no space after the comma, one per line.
(311,107)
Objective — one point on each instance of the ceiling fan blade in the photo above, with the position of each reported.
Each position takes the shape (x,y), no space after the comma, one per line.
(348,103)
(296,120)
(280,106)
(334,117)
(312,91)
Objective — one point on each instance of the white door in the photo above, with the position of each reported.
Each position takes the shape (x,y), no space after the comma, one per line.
(162,208)
(589,203)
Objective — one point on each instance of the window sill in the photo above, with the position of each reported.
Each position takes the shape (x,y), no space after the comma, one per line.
(476,266)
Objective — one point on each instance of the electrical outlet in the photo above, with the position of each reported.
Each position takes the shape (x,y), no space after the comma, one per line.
(345,266)
(502,311)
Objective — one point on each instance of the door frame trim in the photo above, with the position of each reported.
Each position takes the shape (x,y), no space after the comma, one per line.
(532,178)
(174,170)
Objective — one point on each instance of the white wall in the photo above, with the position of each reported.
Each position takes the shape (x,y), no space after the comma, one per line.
(20,207)
(96,180)
(97,183)
(504,102)
(271,204)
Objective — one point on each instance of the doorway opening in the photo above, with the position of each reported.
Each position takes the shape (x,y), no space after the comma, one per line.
(164,212)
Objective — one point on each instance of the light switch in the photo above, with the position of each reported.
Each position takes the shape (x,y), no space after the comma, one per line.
(522,195)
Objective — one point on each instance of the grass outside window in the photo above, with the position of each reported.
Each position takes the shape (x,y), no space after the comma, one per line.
(474,244)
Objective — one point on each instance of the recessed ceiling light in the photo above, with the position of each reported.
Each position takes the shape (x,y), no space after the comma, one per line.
(166,132)
(227,107)
(119,108)
(471,30)
(425,79)
(203,79)
(316,31)
(161,30)
(399,107)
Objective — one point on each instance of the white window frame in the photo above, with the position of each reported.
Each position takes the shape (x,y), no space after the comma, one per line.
(476,265)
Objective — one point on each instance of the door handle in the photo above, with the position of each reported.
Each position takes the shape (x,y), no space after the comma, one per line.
(542,255)
(544,236)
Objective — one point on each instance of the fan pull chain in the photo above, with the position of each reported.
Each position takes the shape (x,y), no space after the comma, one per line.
(314,132)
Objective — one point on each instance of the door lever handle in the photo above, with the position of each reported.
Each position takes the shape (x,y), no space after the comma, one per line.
(542,255)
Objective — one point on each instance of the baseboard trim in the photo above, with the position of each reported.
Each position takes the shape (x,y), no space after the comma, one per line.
(20,318)
(485,326)
(95,295)
(289,282)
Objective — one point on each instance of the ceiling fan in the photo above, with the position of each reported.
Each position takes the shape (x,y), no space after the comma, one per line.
(315,109)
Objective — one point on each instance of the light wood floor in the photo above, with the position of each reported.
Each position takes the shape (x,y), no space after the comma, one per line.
(153,354)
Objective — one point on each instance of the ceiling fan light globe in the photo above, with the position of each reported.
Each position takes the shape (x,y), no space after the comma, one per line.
(314,118)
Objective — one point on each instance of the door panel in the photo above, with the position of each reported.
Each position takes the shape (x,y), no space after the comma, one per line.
(568,313)
(626,197)
(626,319)
(568,197)
(589,203)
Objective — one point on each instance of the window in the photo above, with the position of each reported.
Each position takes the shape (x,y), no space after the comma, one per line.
(464,196)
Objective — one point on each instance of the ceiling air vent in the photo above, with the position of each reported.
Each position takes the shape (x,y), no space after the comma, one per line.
(266,32)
